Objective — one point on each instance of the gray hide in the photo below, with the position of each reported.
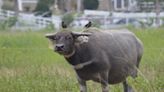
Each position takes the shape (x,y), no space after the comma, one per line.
(108,57)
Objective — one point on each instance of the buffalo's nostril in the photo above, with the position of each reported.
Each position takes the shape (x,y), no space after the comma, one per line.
(62,46)
(59,47)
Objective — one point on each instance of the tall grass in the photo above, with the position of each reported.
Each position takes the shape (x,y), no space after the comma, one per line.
(27,65)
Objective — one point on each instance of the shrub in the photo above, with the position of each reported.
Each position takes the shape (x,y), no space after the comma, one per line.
(43,6)
(8,23)
(96,23)
(68,18)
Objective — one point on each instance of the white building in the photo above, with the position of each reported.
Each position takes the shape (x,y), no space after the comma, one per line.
(23,5)
(27,5)
(1,3)
(125,5)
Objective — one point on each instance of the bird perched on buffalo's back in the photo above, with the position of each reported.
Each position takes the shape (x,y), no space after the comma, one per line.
(63,25)
(88,25)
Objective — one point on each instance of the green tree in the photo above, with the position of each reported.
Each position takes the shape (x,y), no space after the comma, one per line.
(43,6)
(91,4)
(68,18)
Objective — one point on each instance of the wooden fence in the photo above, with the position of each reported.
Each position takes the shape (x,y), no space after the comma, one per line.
(38,22)
(30,20)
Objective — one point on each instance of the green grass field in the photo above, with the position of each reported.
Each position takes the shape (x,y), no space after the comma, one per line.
(28,65)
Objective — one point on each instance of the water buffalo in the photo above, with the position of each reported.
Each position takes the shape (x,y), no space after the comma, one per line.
(106,57)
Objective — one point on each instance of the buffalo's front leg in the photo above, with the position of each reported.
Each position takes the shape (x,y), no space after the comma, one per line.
(127,88)
(104,82)
(82,83)
(105,87)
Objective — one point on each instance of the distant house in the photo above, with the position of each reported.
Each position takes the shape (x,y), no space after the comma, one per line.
(125,5)
(118,5)
(150,6)
(27,5)
(23,5)
(77,5)
(104,5)
(7,4)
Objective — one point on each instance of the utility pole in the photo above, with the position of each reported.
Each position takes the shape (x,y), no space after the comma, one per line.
(69,3)
(110,10)
(157,9)
(19,2)
(16,8)
(1,3)
(78,6)
(55,8)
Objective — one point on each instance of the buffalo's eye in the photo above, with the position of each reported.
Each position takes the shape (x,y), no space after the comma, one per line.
(56,37)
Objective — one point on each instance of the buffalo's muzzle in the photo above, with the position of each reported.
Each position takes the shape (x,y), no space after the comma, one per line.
(59,47)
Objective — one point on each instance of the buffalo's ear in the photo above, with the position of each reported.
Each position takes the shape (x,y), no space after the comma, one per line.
(88,25)
(81,37)
(50,36)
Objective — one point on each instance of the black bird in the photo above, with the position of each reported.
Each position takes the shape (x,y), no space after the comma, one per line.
(64,25)
(89,24)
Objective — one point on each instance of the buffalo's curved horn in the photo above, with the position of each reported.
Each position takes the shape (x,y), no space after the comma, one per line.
(50,35)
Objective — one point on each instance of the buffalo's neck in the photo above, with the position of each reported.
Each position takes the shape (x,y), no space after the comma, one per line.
(81,55)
